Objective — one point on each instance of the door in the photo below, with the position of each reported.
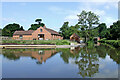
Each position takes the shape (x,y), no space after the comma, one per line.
(40,36)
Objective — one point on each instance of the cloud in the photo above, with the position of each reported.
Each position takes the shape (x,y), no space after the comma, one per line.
(8,19)
(109,20)
(107,7)
(71,17)
(59,10)
(103,14)
(55,8)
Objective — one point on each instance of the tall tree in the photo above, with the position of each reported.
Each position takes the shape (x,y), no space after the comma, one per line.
(9,29)
(38,20)
(88,21)
(64,30)
(67,31)
(74,29)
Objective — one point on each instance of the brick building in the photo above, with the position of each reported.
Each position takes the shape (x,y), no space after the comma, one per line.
(42,33)
(75,37)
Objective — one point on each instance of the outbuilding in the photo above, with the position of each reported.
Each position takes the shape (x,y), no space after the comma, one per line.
(75,37)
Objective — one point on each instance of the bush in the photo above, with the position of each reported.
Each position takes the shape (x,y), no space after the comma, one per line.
(54,42)
(115,43)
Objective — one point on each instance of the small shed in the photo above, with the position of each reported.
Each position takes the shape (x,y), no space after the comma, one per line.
(75,37)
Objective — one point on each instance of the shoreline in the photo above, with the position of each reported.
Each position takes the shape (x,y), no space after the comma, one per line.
(39,46)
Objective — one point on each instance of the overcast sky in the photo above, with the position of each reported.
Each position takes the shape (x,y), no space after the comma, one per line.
(54,14)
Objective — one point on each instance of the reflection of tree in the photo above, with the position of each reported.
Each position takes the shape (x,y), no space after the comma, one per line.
(114,54)
(101,51)
(38,62)
(33,58)
(67,53)
(87,62)
(85,58)
(11,56)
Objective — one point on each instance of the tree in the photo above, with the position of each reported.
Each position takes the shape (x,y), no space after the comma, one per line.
(38,20)
(67,31)
(87,21)
(102,29)
(115,30)
(9,29)
(74,29)
(64,30)
(35,26)
(83,23)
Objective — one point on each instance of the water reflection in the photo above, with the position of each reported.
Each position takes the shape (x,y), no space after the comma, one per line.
(39,55)
(86,58)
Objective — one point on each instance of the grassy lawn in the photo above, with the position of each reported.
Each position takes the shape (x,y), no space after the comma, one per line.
(50,42)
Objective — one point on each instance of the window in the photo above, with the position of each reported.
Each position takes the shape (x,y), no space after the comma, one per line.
(40,30)
(21,36)
(34,39)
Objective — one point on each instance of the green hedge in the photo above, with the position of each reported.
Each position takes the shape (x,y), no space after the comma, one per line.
(54,42)
(115,43)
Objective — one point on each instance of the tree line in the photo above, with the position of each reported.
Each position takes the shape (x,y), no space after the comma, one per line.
(88,26)
(9,29)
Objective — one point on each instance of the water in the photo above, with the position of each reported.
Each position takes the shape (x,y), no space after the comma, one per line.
(95,62)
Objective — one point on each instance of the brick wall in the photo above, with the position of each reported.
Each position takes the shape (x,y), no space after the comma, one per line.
(47,35)
(25,37)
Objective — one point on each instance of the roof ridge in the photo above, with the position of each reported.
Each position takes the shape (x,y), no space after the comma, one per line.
(24,32)
(52,29)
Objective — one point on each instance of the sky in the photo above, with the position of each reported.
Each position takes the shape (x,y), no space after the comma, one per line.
(54,14)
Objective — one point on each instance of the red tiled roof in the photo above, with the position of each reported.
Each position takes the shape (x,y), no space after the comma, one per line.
(51,31)
(29,32)
(76,35)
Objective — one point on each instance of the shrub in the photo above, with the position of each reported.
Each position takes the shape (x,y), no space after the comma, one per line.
(57,42)
(115,43)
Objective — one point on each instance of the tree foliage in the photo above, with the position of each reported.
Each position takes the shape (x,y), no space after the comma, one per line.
(102,29)
(38,20)
(112,33)
(87,20)
(115,30)
(9,29)
(66,31)
(35,26)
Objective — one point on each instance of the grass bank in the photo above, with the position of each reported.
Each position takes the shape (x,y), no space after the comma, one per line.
(114,43)
(38,42)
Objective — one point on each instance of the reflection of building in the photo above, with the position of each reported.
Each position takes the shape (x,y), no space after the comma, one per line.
(41,55)
(96,39)
(75,50)
(42,33)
